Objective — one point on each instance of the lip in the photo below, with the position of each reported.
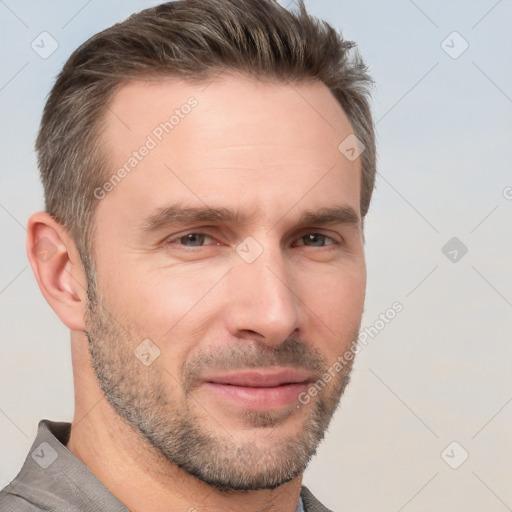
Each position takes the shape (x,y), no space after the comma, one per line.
(261,378)
(258,389)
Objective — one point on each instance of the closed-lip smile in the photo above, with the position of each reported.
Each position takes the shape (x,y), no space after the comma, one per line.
(258,389)
(261,378)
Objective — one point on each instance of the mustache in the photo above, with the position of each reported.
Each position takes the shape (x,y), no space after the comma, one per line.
(293,352)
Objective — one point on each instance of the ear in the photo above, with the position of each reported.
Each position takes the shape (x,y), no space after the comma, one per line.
(58,269)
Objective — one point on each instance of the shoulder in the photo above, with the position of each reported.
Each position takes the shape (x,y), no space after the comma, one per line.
(27,496)
(11,502)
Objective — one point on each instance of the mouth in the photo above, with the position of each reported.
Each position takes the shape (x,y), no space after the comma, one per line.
(259,389)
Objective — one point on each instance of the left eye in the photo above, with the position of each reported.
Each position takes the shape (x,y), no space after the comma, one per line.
(316,240)
(192,239)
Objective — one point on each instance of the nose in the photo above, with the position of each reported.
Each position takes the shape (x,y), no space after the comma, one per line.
(263,300)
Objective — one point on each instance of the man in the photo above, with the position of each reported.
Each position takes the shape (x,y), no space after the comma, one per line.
(207,167)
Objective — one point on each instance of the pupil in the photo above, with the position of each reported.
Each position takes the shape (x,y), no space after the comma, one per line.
(315,238)
(194,239)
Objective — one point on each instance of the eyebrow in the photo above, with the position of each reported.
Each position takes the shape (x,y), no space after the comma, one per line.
(330,215)
(179,214)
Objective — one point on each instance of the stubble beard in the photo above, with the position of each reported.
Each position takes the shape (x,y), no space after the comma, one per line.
(141,397)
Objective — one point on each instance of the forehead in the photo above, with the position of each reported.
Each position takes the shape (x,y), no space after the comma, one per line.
(267,141)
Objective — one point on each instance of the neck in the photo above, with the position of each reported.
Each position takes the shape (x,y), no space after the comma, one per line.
(145,481)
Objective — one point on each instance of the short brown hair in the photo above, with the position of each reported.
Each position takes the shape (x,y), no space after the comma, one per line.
(188,39)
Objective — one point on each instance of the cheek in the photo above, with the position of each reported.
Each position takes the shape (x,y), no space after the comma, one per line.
(335,306)
(161,303)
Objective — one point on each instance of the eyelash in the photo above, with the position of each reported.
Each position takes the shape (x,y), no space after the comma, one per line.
(170,241)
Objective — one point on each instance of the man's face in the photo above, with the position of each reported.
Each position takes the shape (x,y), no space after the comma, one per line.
(241,309)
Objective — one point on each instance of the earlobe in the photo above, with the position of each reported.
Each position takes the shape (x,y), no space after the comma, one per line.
(58,269)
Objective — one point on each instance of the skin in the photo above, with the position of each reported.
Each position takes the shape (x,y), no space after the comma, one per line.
(268,151)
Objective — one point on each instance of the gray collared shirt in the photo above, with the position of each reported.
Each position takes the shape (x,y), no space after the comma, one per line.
(54,479)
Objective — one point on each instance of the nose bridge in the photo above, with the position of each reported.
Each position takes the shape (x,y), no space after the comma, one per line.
(264,300)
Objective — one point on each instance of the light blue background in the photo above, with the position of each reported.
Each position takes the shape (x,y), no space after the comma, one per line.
(440,371)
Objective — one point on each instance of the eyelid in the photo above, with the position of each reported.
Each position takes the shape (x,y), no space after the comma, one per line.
(332,233)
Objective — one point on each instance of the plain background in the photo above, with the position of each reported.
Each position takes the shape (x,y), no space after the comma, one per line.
(439,372)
